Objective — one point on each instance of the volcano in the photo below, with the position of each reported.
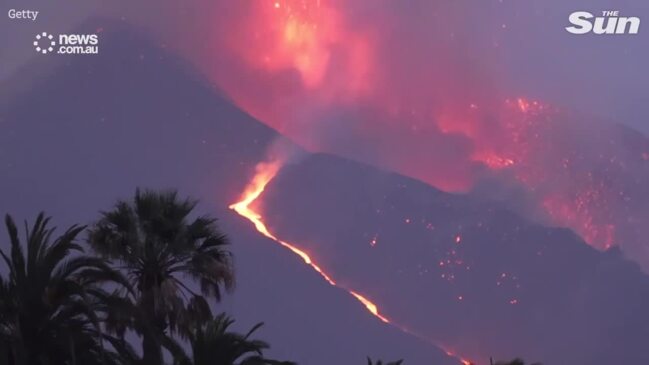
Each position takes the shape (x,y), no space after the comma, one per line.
(449,272)
(80,132)
(436,98)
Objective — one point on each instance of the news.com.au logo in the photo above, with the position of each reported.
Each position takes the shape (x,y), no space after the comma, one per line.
(74,44)
(610,22)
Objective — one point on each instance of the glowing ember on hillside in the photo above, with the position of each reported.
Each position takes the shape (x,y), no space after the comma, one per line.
(265,172)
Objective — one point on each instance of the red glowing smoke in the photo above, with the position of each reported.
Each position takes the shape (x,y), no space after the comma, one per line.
(414,88)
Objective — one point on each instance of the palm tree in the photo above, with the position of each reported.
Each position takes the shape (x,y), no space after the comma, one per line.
(49,301)
(379,362)
(514,362)
(212,343)
(154,242)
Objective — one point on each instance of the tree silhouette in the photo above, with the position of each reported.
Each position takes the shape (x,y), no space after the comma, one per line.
(213,343)
(50,300)
(514,362)
(379,362)
(153,240)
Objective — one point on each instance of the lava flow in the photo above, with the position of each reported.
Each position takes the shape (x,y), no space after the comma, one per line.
(265,172)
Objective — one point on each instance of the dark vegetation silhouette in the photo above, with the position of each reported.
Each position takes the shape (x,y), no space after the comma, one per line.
(213,342)
(52,299)
(63,302)
(154,242)
(513,362)
(379,362)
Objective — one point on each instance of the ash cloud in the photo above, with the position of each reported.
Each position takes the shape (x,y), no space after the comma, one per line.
(437,91)
(422,88)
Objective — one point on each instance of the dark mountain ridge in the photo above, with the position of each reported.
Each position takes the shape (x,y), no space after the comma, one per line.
(469,274)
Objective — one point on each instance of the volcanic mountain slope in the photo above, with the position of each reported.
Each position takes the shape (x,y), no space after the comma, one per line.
(133,110)
(317,323)
(473,276)
(135,115)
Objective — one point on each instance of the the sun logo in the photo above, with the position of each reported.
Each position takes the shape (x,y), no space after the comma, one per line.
(44,43)
(610,22)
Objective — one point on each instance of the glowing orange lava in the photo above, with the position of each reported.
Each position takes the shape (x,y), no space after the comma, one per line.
(265,172)
(298,35)
(410,102)
(464,362)
(369,305)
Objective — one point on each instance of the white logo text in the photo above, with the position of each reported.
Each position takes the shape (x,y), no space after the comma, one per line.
(610,22)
